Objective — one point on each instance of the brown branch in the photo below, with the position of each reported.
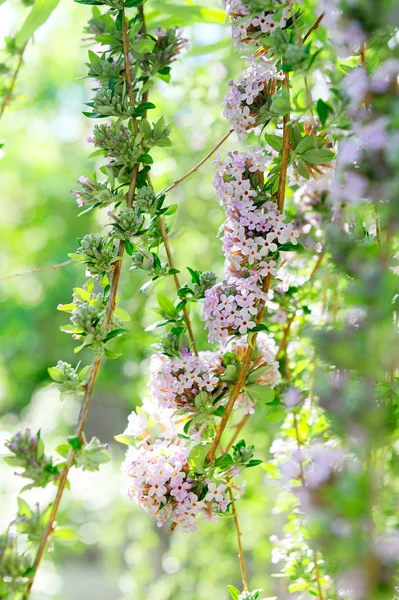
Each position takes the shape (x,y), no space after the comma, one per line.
(285,154)
(239,541)
(194,169)
(240,381)
(239,427)
(13,81)
(314,26)
(38,270)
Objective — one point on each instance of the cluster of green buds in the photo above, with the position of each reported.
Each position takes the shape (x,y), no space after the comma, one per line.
(201,281)
(27,452)
(127,223)
(97,252)
(108,102)
(144,199)
(70,381)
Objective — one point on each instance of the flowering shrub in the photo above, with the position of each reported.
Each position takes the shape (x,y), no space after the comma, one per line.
(294,327)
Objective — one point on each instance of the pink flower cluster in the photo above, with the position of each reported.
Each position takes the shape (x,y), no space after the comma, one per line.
(231,307)
(252,236)
(175,382)
(158,475)
(158,481)
(247,30)
(248,94)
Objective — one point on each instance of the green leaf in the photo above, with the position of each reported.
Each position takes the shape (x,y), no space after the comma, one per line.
(119,21)
(171,209)
(260,327)
(75,442)
(197,456)
(23,508)
(115,333)
(122,314)
(323,110)
(275,141)
(143,46)
(56,374)
(124,438)
(288,246)
(234,592)
(65,534)
(260,393)
(89,2)
(167,307)
(186,15)
(66,307)
(146,159)
(38,15)
(318,157)
(14,461)
(195,275)
(63,450)
(230,374)
(111,355)
(224,462)
(309,142)
(253,463)
(94,58)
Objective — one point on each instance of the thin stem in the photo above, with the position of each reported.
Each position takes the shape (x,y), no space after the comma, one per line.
(13,81)
(38,270)
(239,542)
(286,333)
(285,154)
(290,321)
(239,427)
(363,56)
(303,483)
(314,27)
(378,231)
(169,254)
(194,169)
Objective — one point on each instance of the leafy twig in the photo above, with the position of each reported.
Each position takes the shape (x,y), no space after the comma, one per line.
(93,372)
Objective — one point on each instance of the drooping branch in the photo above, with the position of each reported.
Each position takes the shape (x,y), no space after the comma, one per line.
(248,355)
(94,367)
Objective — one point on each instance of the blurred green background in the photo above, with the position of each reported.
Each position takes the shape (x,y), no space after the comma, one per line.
(121,555)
